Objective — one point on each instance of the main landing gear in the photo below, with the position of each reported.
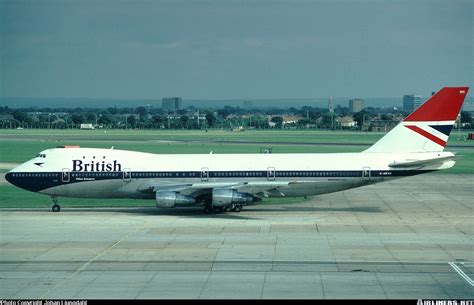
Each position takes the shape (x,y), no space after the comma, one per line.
(216,210)
(56,207)
(237,208)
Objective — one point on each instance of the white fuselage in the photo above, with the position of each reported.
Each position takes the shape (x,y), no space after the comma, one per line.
(108,173)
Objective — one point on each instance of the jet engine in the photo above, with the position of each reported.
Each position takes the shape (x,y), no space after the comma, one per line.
(167,199)
(223,197)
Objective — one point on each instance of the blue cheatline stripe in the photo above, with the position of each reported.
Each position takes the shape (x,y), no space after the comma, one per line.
(446,129)
(37,181)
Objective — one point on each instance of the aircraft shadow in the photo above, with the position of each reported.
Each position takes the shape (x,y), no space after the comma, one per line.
(180,212)
(198,212)
(370,209)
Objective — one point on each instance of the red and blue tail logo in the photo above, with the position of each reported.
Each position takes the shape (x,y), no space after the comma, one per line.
(435,119)
(427,129)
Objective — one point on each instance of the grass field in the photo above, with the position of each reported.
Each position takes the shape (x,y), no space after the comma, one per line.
(21,145)
(292,136)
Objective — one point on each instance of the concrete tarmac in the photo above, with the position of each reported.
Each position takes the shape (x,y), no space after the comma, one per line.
(409,238)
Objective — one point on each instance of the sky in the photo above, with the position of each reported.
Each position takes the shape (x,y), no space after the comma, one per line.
(233,49)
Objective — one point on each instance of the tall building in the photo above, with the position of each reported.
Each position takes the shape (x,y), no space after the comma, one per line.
(172,104)
(356,105)
(330,105)
(411,102)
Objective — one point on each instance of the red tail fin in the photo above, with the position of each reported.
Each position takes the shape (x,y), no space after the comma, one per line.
(427,129)
(443,106)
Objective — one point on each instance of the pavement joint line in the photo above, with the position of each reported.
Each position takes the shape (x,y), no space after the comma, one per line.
(462,274)
(84,266)
(204,285)
(330,247)
(146,285)
(263,285)
(381,285)
(440,285)
(322,284)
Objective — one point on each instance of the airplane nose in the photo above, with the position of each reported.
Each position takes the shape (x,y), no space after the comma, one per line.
(8,177)
(27,182)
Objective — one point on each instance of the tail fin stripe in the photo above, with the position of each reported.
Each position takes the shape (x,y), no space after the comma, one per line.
(446,129)
(426,135)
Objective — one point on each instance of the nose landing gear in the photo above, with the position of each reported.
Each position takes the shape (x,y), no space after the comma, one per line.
(56,207)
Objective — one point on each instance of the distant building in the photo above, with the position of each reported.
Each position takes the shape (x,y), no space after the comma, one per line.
(382,125)
(346,122)
(247,105)
(356,105)
(468,106)
(172,104)
(87,126)
(290,119)
(411,102)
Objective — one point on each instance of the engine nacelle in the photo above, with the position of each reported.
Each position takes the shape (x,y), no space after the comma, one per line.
(223,197)
(167,199)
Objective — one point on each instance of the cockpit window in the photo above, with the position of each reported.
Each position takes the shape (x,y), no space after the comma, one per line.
(41,155)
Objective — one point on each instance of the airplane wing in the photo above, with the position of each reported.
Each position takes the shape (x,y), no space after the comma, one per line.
(421,163)
(194,189)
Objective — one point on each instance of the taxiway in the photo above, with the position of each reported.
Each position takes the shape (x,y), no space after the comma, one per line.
(410,238)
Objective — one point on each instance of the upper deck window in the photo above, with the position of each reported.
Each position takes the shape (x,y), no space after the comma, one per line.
(41,155)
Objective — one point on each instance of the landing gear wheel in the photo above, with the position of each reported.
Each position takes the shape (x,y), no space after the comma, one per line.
(217,210)
(227,209)
(207,209)
(238,208)
(55,207)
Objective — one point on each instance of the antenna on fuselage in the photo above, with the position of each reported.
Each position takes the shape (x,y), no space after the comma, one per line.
(112,147)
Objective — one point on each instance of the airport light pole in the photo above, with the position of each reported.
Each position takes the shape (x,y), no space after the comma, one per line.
(459,126)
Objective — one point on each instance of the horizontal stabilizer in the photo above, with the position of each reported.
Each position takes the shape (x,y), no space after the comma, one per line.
(421,163)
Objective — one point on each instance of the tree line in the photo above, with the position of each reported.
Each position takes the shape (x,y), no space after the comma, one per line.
(227,117)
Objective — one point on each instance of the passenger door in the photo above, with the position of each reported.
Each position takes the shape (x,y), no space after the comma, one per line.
(204,174)
(66,175)
(366,173)
(271,174)
(127,174)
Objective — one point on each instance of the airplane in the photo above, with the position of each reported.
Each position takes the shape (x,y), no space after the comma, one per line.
(227,182)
